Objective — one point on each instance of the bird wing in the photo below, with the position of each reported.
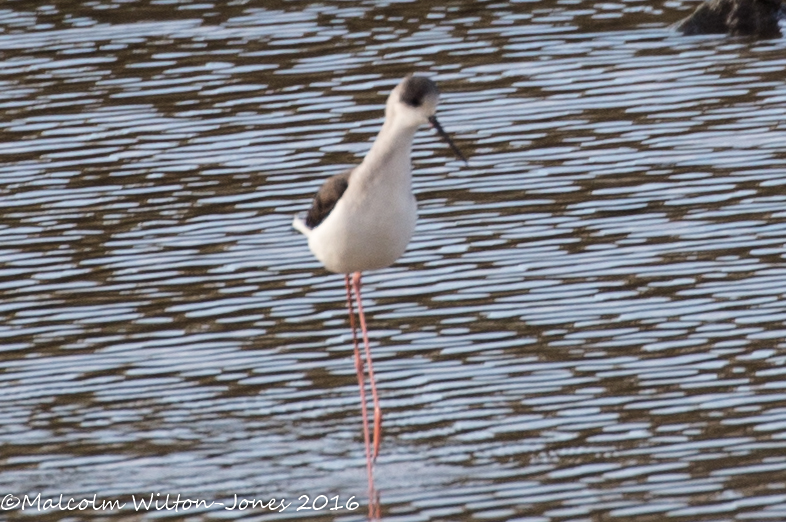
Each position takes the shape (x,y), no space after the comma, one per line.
(327,197)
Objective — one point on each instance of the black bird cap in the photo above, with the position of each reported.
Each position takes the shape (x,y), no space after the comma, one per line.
(415,90)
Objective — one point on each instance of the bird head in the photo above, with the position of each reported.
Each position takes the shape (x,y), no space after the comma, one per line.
(414,102)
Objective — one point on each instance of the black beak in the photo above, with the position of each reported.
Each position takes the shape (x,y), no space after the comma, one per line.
(434,123)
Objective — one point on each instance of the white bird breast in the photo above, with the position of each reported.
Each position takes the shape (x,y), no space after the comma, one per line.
(366,230)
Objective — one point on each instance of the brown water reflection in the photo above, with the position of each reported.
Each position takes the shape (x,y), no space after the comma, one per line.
(589,324)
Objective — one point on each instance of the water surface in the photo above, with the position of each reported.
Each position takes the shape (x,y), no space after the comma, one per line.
(588,324)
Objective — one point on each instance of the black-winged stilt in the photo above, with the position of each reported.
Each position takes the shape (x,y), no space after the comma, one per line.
(364,218)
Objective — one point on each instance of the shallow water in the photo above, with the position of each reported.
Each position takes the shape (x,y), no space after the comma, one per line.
(588,324)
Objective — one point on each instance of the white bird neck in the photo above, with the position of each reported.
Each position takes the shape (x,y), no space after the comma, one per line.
(390,155)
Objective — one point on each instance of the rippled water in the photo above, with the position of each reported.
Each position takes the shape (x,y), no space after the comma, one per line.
(588,325)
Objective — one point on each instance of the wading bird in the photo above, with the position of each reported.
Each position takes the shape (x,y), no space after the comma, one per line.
(364,218)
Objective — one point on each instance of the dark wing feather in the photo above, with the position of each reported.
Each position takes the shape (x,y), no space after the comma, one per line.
(327,196)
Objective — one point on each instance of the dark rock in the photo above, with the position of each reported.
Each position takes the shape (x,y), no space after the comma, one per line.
(757,18)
